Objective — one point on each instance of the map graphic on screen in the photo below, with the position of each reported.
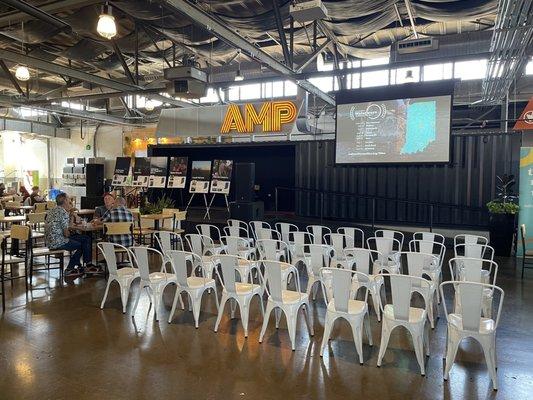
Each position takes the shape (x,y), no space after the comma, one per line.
(394,131)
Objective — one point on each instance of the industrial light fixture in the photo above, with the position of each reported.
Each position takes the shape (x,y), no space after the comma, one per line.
(106,23)
(409,76)
(22,73)
(320,65)
(238,76)
(149,105)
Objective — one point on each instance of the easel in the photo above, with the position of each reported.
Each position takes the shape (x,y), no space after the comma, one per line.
(205,201)
(213,198)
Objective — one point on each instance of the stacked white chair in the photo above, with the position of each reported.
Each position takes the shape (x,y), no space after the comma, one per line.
(318,232)
(469,239)
(355,237)
(213,233)
(194,286)
(343,304)
(240,247)
(387,233)
(154,282)
(256,225)
(468,322)
(388,250)
(429,237)
(239,292)
(123,276)
(287,301)
(168,241)
(298,247)
(284,229)
(400,313)
(434,271)
(204,247)
(338,242)
(363,260)
(319,257)
(271,249)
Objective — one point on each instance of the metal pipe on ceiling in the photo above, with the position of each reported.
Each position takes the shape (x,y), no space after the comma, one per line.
(38,14)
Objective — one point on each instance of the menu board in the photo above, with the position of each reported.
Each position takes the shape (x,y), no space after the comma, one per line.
(141,171)
(178,172)
(221,176)
(122,170)
(158,172)
(200,174)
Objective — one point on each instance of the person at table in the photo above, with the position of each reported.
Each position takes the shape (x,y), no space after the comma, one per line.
(35,196)
(58,237)
(25,194)
(119,213)
(102,211)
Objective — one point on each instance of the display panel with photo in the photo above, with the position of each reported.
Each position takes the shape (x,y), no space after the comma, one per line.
(178,172)
(122,170)
(141,171)
(200,174)
(221,176)
(158,172)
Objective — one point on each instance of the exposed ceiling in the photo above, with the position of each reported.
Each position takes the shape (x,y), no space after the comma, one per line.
(153,35)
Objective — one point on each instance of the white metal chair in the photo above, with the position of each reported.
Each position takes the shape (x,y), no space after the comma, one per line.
(476,270)
(318,232)
(298,243)
(212,232)
(154,282)
(319,257)
(239,292)
(438,250)
(238,224)
(338,242)
(240,247)
(276,250)
(363,260)
(168,240)
(284,229)
(355,234)
(343,304)
(468,322)
(470,239)
(417,264)
(400,313)
(287,301)
(255,225)
(238,231)
(429,237)
(123,276)
(474,250)
(387,233)
(388,250)
(267,233)
(203,246)
(194,286)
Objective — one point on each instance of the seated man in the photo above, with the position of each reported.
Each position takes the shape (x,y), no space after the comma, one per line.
(119,213)
(109,203)
(35,197)
(59,237)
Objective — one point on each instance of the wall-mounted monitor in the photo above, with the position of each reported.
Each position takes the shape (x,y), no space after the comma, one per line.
(407,123)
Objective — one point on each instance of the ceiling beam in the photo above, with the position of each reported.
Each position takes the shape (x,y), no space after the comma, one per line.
(38,14)
(411,17)
(10,76)
(281,33)
(59,69)
(122,61)
(331,36)
(220,30)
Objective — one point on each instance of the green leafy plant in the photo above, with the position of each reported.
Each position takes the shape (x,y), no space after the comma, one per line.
(505,201)
(156,207)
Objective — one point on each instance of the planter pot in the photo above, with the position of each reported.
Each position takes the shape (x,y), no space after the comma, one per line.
(502,228)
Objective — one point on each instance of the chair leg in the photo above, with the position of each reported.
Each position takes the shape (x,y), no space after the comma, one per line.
(451,353)
(490,358)
(385,336)
(105,293)
(244,307)
(418,342)
(291,323)
(177,295)
(366,322)
(196,305)
(307,319)
(268,311)
(358,339)
(277,313)
(221,310)
(137,300)
(327,332)
(124,294)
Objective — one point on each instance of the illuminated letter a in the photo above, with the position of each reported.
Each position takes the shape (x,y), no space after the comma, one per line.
(233,120)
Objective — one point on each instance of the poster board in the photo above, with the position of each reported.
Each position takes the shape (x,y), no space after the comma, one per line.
(122,170)
(221,176)
(177,172)
(158,172)
(200,174)
(141,171)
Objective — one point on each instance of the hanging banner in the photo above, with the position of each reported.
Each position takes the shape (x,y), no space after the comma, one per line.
(158,172)
(525,215)
(122,170)
(200,173)
(221,176)
(141,171)
(525,122)
(178,172)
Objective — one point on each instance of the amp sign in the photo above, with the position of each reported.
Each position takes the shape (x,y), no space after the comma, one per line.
(269,117)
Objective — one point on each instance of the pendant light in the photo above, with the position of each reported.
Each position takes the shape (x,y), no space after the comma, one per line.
(22,73)
(106,27)
(149,105)
(409,76)
(238,76)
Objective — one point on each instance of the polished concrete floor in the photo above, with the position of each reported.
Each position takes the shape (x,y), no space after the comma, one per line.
(58,344)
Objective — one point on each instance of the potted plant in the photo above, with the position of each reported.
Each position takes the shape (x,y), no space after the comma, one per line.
(156,207)
(502,221)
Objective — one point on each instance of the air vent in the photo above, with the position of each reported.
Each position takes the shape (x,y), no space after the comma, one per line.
(417,45)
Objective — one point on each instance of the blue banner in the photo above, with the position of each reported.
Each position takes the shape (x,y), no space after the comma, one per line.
(525,215)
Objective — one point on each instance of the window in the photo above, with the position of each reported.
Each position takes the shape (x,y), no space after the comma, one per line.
(323,83)
(277,89)
(250,91)
(466,70)
(435,72)
(233,93)
(375,61)
(529,67)
(267,90)
(290,89)
(74,106)
(375,78)
(354,81)
(210,97)
(405,75)
(26,112)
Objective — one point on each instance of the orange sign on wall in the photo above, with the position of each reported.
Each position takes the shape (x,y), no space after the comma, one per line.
(525,121)
(271,117)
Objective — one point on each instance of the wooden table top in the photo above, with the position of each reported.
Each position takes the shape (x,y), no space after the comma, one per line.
(14,218)
(12,207)
(86,228)
(157,216)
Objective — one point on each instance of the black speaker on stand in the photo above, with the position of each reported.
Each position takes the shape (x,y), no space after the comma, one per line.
(244,207)
(94,186)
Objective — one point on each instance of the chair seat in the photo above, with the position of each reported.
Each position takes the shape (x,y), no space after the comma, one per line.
(486,325)
(127,271)
(354,307)
(162,276)
(12,259)
(195,282)
(37,235)
(292,297)
(246,288)
(45,251)
(415,314)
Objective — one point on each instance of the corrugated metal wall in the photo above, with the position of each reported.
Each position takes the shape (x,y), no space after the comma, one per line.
(468,181)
